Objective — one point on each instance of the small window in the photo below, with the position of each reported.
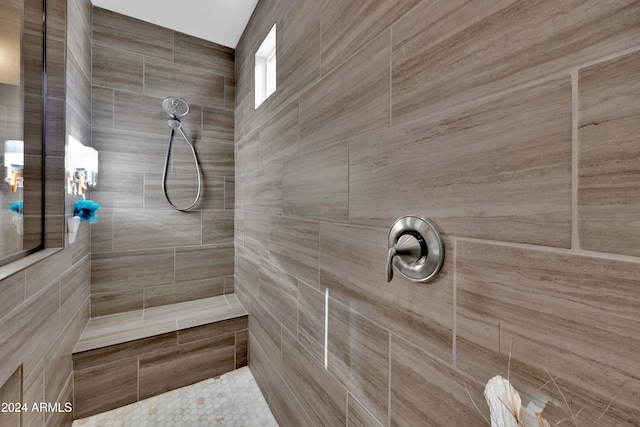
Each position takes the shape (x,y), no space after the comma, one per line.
(266,67)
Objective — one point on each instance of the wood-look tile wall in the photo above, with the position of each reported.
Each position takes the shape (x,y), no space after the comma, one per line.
(45,305)
(144,253)
(514,126)
(110,377)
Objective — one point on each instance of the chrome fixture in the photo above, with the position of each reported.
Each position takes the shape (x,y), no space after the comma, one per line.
(178,107)
(416,249)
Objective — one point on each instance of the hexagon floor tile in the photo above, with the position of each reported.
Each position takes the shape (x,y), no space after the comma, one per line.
(233,400)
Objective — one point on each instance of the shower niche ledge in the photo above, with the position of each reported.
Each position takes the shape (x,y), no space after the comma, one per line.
(127,357)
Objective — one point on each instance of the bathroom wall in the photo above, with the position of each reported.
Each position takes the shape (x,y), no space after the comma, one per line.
(44,298)
(514,126)
(144,253)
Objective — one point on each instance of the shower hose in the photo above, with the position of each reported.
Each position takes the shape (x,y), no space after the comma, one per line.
(175,124)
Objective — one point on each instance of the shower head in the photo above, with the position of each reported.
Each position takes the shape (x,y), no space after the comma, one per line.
(175,107)
(174,124)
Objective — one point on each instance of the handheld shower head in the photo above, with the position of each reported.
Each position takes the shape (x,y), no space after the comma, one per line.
(174,124)
(175,107)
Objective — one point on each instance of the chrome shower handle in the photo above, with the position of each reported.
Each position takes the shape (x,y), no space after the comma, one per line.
(416,249)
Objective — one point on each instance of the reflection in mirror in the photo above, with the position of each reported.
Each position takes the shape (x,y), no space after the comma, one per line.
(11,126)
(21,71)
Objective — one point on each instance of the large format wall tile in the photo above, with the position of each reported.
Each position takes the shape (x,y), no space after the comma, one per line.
(247,267)
(456,58)
(217,124)
(74,290)
(204,262)
(609,135)
(224,327)
(125,33)
(285,405)
(119,190)
(127,152)
(215,158)
(117,68)
(316,185)
(217,226)
(311,320)
(352,100)
(61,418)
(148,119)
(152,63)
(33,392)
(347,26)
(124,271)
(464,112)
(248,153)
(279,294)
(320,394)
(358,416)
(229,193)
(57,361)
(103,355)
(293,246)
(299,59)
(12,292)
(499,169)
(46,271)
(105,303)
(185,365)
(199,86)
(279,136)
(566,316)
(229,94)
(425,391)
(195,52)
(91,397)
(267,332)
(256,233)
(359,357)
(28,333)
(352,267)
(262,190)
(155,229)
(155,296)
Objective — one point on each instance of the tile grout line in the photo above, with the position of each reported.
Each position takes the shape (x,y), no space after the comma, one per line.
(137,378)
(390,355)
(346,407)
(390,75)
(454,334)
(575,164)
(113,231)
(606,58)
(553,249)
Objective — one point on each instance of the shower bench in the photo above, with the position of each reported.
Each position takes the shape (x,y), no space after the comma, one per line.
(130,356)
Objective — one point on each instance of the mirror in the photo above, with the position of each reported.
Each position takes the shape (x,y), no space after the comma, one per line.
(21,107)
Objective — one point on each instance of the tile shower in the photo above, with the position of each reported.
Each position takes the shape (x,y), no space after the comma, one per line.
(512,125)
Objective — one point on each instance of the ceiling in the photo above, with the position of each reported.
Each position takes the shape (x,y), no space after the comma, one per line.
(219,21)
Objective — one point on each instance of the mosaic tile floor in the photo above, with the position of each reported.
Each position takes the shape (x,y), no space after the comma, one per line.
(233,400)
